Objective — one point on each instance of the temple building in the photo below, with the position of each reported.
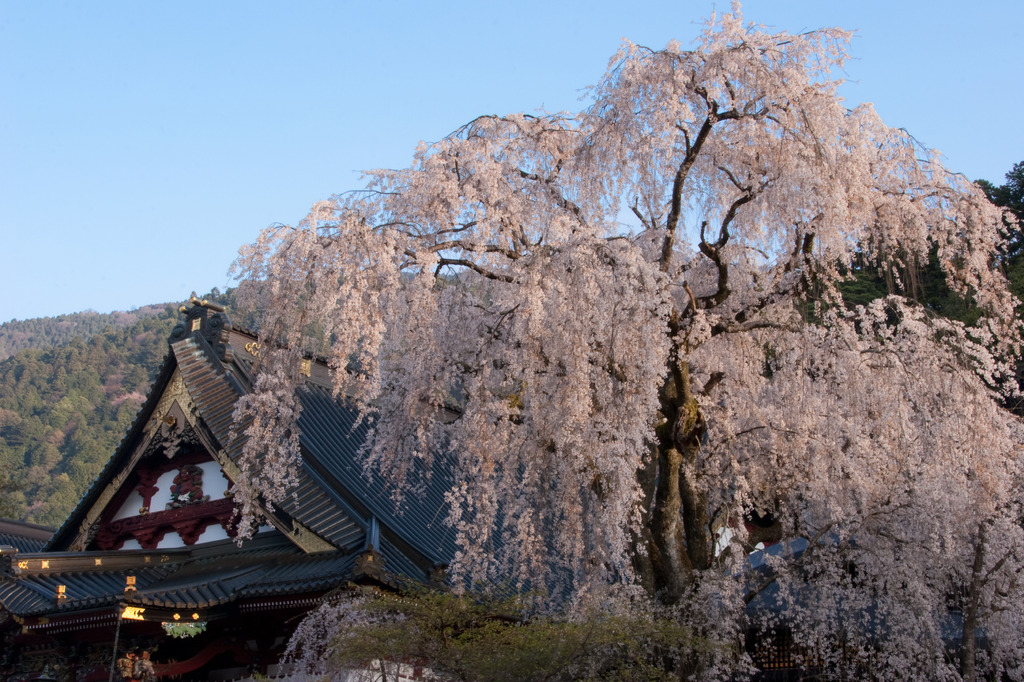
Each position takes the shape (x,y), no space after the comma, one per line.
(149,559)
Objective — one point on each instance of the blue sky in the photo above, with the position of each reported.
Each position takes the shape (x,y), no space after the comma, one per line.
(142,143)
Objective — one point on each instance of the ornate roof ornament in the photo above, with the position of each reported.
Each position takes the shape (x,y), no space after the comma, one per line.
(209,321)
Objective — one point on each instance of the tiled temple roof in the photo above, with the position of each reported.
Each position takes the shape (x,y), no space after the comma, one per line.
(24,537)
(359,533)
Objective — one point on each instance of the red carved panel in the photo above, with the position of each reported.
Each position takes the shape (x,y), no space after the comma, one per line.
(188,487)
(189,522)
(147,485)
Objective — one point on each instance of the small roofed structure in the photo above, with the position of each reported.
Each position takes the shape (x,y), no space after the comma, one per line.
(149,559)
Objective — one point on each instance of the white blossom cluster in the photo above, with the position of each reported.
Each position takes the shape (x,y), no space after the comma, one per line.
(902,477)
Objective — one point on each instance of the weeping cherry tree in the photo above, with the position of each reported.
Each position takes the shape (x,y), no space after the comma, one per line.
(625,326)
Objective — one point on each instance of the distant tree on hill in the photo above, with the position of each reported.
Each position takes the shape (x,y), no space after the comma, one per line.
(1010,194)
(11,497)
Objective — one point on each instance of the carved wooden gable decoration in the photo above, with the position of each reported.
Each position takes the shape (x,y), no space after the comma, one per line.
(170,491)
(169,483)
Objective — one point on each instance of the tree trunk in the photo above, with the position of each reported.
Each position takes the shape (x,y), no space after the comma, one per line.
(968,637)
(676,534)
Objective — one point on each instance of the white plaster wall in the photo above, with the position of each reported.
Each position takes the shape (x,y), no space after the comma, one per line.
(130,506)
(212,533)
(162,496)
(214,482)
(170,541)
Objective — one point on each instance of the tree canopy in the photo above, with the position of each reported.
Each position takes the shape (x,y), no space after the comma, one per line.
(1010,194)
(625,326)
(470,638)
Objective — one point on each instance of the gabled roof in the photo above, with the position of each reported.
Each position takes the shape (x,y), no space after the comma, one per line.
(118,460)
(24,537)
(330,442)
(340,523)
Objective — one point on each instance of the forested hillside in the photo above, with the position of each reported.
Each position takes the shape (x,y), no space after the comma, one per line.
(47,332)
(65,406)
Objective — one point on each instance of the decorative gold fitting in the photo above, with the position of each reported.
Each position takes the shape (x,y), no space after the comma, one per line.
(205,303)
